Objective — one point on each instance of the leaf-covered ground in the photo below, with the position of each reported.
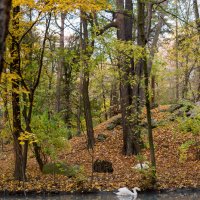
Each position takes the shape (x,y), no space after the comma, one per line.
(174,169)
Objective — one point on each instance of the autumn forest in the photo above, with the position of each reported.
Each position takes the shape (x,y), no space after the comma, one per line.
(97,95)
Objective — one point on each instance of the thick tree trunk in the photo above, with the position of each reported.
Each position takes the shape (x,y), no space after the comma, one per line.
(19,172)
(124,84)
(5,6)
(124,20)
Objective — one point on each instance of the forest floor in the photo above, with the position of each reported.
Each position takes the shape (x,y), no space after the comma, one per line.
(175,168)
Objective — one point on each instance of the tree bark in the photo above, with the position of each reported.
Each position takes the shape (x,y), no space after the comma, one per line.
(79,105)
(197,19)
(67,93)
(142,41)
(5,6)
(114,99)
(60,64)
(186,79)
(19,172)
(124,19)
(177,55)
(104,94)
(153,47)
(85,87)
(87,111)
(196,12)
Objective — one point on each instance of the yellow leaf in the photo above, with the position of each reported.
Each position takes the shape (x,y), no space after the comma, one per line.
(22,143)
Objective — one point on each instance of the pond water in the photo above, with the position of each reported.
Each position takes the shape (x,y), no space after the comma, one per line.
(182,195)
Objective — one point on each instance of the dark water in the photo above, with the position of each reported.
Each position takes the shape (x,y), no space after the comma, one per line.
(183,195)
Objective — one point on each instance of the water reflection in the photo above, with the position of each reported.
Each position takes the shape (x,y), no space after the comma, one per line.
(186,195)
(127,198)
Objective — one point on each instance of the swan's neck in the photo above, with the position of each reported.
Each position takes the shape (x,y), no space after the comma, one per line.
(134,191)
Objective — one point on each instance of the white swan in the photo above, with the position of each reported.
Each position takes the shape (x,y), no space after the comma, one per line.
(126,192)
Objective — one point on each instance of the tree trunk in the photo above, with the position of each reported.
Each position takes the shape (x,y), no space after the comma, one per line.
(124,20)
(60,64)
(153,47)
(114,96)
(87,111)
(153,88)
(79,105)
(5,6)
(85,86)
(67,93)
(186,79)
(177,56)
(79,111)
(19,172)
(27,112)
(143,62)
(197,19)
(104,94)
(196,12)
(104,102)
(37,151)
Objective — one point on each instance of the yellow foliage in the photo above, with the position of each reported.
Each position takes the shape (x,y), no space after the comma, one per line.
(64,5)
(29,3)
(86,5)
(26,136)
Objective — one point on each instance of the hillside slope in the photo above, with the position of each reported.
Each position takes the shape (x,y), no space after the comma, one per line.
(172,172)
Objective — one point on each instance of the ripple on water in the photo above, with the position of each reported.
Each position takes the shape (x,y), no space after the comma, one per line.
(183,195)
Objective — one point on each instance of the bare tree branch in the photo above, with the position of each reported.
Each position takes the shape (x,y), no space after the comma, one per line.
(35,85)
(106,27)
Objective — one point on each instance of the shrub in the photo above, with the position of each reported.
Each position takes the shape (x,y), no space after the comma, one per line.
(190,125)
(183,149)
(61,168)
(51,134)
